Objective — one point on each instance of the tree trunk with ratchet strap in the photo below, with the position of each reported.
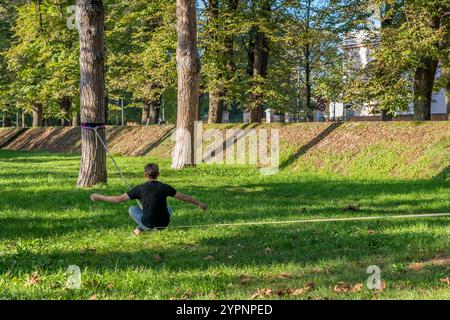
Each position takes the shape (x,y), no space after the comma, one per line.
(90,17)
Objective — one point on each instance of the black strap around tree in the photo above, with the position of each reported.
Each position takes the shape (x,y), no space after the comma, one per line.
(93,125)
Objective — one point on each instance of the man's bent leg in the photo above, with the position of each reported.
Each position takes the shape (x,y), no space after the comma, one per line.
(136,214)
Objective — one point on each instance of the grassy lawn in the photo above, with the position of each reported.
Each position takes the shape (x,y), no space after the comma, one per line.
(47,224)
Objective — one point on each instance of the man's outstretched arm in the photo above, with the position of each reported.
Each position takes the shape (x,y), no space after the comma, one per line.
(113,199)
(186,198)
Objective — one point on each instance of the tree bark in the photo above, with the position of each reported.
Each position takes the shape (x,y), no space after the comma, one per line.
(424,81)
(423,89)
(37,115)
(385,116)
(150,111)
(215,93)
(260,58)
(188,69)
(90,17)
(153,112)
(6,120)
(145,112)
(215,106)
(24,123)
(75,119)
(65,104)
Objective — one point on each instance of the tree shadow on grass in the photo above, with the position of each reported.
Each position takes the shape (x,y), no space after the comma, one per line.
(444,174)
(45,212)
(305,148)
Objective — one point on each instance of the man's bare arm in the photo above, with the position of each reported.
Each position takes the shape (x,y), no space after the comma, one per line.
(112,199)
(189,199)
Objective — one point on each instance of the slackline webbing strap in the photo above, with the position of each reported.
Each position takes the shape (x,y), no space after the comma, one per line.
(93,125)
(421,215)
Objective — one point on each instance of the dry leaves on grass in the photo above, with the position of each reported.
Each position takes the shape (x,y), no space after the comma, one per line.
(283,276)
(267,292)
(446,280)
(343,287)
(244,279)
(33,280)
(157,258)
(93,297)
(208,258)
(438,260)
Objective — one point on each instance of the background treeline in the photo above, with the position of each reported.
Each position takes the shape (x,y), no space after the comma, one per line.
(254,54)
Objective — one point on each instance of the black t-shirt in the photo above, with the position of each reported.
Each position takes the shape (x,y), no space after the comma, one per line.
(153,195)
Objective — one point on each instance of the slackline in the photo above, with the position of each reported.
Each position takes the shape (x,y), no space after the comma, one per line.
(423,215)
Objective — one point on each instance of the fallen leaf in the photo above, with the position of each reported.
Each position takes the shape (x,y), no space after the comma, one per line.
(93,297)
(157,258)
(309,286)
(446,280)
(357,287)
(33,280)
(244,279)
(262,293)
(283,276)
(298,292)
(371,231)
(342,287)
(208,257)
(186,294)
(416,266)
(268,250)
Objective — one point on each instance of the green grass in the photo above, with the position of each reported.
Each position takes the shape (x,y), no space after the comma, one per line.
(46,224)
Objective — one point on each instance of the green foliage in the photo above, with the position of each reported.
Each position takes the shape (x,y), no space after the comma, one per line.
(405,37)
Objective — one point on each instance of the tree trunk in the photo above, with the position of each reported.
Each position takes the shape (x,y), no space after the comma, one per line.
(153,112)
(309,109)
(424,82)
(24,123)
(90,17)
(188,69)
(145,113)
(260,58)
(150,111)
(65,104)
(423,89)
(37,115)
(6,121)
(447,100)
(385,116)
(75,120)
(215,106)
(215,93)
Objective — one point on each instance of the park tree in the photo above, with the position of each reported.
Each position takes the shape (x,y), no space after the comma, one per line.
(405,61)
(7,19)
(141,42)
(90,19)
(218,30)
(188,70)
(43,61)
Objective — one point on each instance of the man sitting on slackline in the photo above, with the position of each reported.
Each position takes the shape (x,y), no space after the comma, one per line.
(153,196)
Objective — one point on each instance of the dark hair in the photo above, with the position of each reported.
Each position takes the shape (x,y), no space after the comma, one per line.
(152,170)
